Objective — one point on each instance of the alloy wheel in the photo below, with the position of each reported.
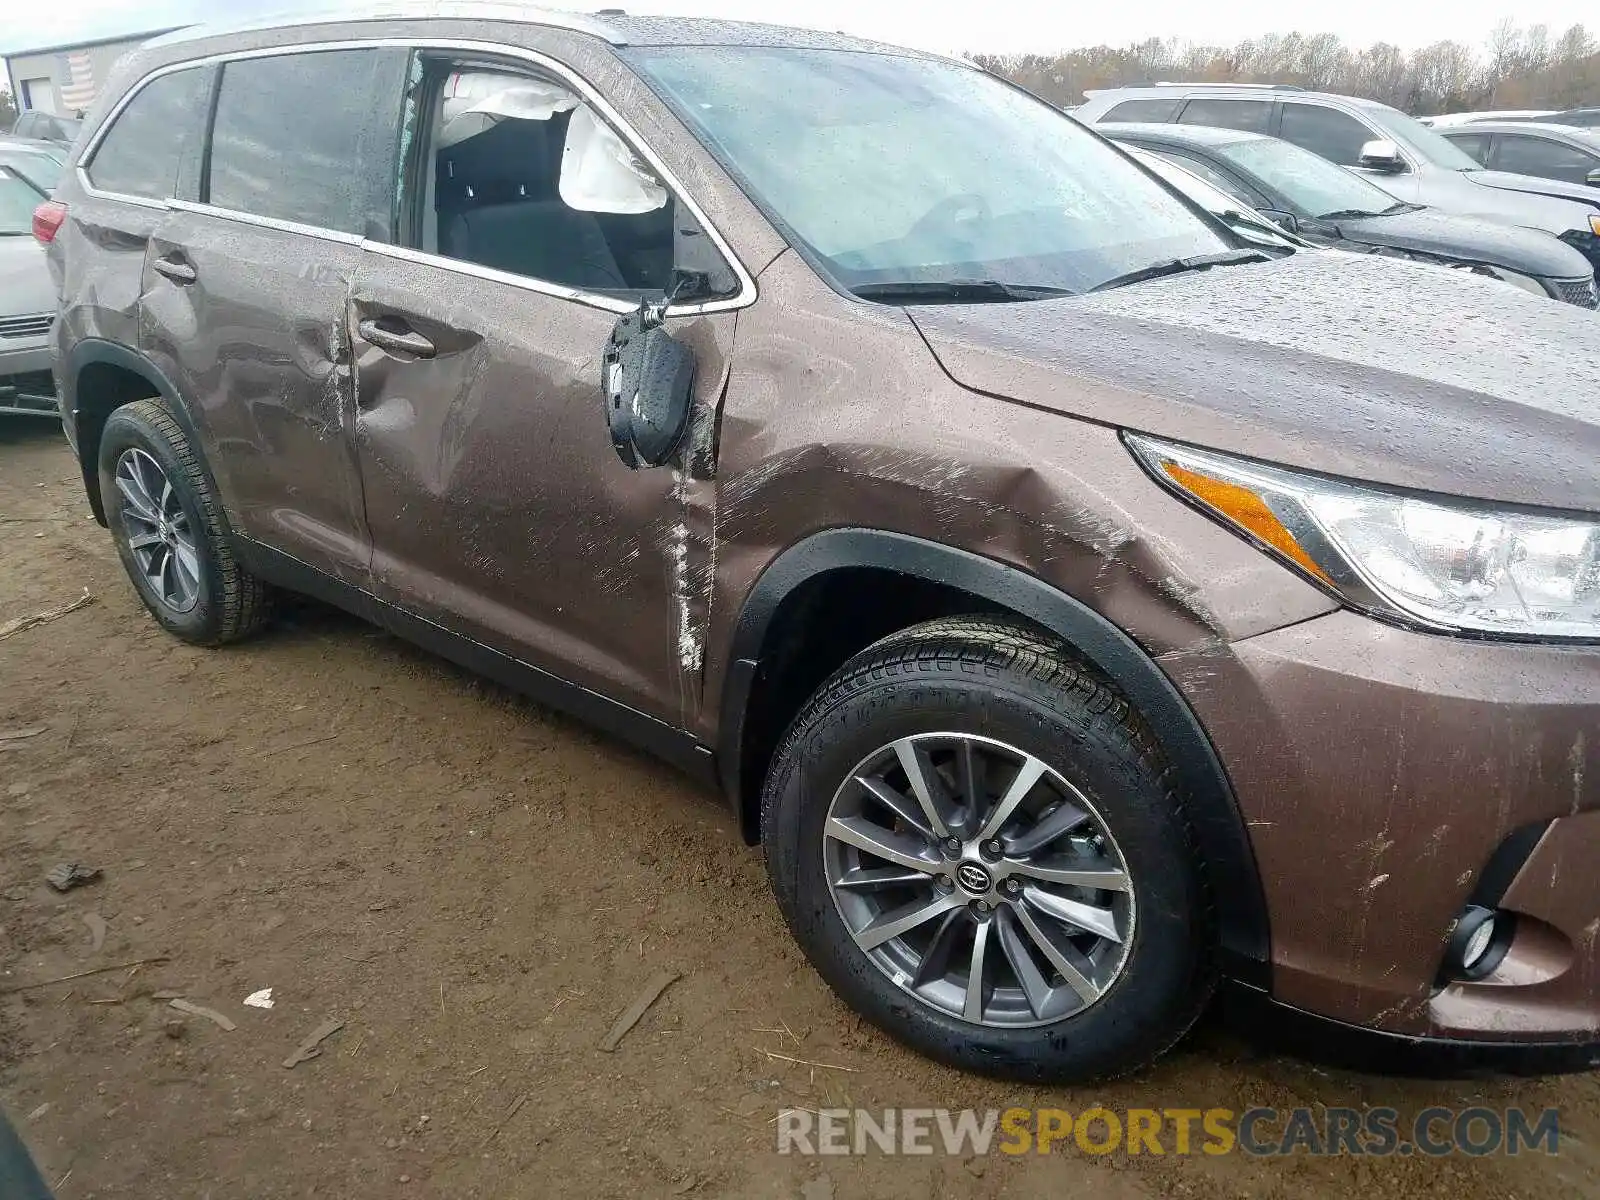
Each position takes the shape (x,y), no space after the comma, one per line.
(979,880)
(157,531)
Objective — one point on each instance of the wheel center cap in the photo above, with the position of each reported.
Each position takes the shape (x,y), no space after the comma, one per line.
(974,878)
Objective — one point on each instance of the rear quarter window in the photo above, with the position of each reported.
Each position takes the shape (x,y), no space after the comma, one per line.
(141,151)
(311,138)
(1157,111)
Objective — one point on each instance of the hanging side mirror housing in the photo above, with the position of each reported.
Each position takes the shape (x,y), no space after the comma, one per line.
(647,378)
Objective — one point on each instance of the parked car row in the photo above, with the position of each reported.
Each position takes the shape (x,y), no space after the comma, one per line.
(1412,163)
(29,171)
(1084,597)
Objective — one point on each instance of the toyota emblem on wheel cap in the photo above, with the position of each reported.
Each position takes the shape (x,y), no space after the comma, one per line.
(973,877)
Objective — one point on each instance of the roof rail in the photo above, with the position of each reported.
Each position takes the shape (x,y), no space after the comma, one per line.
(1276,87)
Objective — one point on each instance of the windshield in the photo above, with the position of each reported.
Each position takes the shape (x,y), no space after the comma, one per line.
(1435,147)
(17,202)
(1310,182)
(892,170)
(38,168)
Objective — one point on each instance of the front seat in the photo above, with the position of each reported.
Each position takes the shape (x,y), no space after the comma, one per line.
(543,239)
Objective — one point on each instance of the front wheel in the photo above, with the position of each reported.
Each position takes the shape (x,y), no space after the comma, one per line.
(973,839)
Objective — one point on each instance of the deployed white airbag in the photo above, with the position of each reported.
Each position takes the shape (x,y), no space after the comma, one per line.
(475,100)
(600,174)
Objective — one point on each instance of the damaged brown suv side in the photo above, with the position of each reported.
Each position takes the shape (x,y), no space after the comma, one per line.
(1082,604)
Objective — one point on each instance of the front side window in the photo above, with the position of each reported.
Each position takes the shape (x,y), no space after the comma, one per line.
(141,152)
(1325,131)
(518,173)
(1253,116)
(1543,157)
(1475,144)
(1214,177)
(310,138)
(891,170)
(1315,186)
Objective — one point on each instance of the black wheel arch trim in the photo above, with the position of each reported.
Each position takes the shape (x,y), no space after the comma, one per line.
(1219,826)
(91,351)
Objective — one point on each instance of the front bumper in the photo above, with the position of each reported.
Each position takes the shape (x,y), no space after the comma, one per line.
(1378,771)
(26,386)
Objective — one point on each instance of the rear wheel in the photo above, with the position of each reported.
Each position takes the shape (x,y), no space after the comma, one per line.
(169,531)
(973,839)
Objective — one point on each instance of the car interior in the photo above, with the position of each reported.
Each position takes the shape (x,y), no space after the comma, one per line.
(526,178)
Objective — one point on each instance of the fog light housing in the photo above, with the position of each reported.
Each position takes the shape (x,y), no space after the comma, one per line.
(1478,942)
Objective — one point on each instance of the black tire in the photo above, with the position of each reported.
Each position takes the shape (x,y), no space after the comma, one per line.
(230,603)
(1001,680)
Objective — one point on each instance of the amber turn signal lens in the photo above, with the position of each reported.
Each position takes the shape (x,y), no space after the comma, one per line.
(1246,509)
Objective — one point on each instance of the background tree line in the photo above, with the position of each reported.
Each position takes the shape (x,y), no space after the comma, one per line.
(1517,68)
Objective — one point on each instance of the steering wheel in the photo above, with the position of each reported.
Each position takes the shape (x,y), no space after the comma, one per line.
(951,213)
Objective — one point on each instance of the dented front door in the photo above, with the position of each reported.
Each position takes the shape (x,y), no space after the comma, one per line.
(496,503)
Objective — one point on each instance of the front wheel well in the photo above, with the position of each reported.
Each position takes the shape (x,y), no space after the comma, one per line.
(99,390)
(836,592)
(816,629)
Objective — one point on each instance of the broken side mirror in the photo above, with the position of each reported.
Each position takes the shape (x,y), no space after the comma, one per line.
(647,378)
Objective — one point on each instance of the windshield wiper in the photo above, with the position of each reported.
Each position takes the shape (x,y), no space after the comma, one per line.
(955,291)
(1176,266)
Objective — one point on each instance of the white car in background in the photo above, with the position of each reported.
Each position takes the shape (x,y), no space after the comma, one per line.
(27,303)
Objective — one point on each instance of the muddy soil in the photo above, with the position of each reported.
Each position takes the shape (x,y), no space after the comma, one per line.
(477,888)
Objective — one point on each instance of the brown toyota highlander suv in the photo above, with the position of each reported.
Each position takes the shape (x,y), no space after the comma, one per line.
(1083,603)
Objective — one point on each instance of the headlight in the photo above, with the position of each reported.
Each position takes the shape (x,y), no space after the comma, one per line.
(1594,224)
(1444,563)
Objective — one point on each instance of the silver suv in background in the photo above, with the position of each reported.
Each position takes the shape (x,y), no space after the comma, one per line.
(27,303)
(1408,160)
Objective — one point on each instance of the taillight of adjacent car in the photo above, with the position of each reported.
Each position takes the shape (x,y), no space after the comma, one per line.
(47,221)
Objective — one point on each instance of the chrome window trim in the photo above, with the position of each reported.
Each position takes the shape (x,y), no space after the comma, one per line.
(316,231)
(746,295)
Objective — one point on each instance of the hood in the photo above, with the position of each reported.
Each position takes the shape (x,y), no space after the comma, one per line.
(25,285)
(1355,365)
(1468,239)
(1507,182)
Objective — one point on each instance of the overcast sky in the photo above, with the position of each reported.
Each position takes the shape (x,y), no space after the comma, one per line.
(944,25)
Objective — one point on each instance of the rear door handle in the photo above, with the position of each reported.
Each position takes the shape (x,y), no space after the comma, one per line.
(176,270)
(399,341)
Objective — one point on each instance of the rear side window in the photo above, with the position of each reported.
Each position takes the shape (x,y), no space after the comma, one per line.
(1475,144)
(1543,157)
(310,138)
(1160,111)
(140,153)
(1252,115)
(1326,132)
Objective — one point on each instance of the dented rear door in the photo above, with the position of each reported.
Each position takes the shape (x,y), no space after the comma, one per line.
(246,286)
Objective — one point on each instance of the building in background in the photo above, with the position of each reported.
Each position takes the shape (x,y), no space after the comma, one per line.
(64,80)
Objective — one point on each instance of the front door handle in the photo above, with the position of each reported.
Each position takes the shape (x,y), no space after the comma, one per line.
(176,270)
(398,341)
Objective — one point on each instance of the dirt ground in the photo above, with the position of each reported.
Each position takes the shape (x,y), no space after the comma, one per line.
(477,888)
